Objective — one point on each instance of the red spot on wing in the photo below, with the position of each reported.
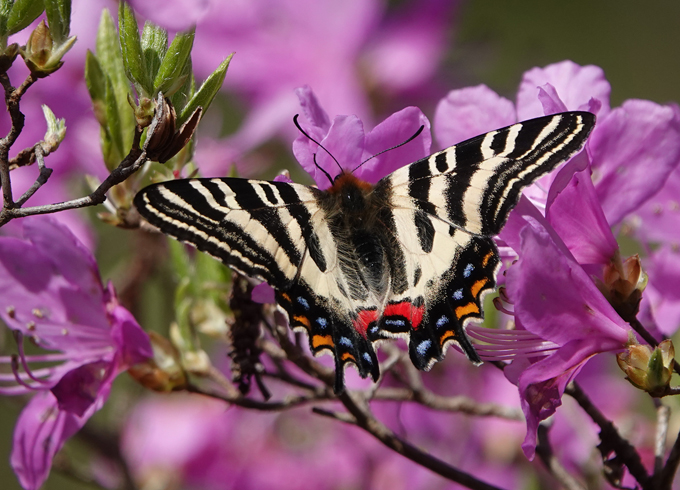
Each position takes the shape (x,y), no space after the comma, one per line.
(406,309)
(363,320)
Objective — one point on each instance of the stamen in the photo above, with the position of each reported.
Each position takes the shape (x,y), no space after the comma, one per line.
(500,306)
(19,338)
(17,376)
(509,344)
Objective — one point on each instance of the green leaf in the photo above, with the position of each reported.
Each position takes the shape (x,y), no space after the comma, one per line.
(114,126)
(58,14)
(204,95)
(110,60)
(131,48)
(22,14)
(180,97)
(168,79)
(95,78)
(154,47)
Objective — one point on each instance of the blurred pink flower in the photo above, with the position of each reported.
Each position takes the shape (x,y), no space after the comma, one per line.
(51,292)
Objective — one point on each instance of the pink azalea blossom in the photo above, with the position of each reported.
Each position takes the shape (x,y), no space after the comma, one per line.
(51,292)
(351,149)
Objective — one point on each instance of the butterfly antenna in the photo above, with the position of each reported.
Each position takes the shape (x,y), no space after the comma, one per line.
(297,125)
(415,135)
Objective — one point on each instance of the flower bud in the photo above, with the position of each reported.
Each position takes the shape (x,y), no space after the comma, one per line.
(41,55)
(164,371)
(8,56)
(163,140)
(622,285)
(647,369)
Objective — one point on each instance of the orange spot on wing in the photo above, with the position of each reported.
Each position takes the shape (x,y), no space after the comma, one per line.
(347,356)
(486,259)
(302,319)
(469,308)
(477,286)
(320,341)
(447,336)
(286,297)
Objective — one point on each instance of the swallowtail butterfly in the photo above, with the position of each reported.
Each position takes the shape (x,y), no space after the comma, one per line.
(409,256)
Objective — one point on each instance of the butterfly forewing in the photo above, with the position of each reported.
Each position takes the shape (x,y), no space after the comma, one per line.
(409,257)
(475,184)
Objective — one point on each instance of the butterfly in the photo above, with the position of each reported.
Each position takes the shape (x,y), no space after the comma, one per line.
(411,256)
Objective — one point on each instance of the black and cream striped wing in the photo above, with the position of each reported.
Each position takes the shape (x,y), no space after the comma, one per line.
(444,210)
(474,185)
(277,232)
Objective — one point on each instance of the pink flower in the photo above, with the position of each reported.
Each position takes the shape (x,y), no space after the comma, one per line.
(351,149)
(51,292)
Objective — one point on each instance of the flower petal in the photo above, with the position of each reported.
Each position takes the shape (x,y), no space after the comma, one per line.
(80,388)
(633,150)
(40,432)
(578,218)
(132,343)
(312,109)
(575,84)
(468,112)
(555,299)
(393,131)
(344,145)
(542,384)
(71,258)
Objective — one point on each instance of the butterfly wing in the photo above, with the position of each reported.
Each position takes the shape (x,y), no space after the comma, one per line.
(275,231)
(445,208)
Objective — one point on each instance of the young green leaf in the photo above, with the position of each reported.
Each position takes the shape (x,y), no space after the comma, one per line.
(154,47)
(58,14)
(131,48)
(110,60)
(169,77)
(204,95)
(22,14)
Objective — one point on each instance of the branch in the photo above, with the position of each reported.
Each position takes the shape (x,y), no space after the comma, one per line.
(671,467)
(362,417)
(130,164)
(610,437)
(290,401)
(544,451)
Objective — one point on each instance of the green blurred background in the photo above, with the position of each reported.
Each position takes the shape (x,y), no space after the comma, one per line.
(636,43)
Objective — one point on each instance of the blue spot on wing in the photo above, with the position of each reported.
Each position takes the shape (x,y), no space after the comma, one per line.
(458,294)
(322,322)
(345,341)
(423,347)
(398,323)
(367,358)
(303,302)
(442,321)
(468,270)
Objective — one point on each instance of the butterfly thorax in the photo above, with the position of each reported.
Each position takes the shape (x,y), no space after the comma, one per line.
(354,211)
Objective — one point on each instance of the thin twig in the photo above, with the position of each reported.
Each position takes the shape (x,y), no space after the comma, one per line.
(662,416)
(612,441)
(132,162)
(40,181)
(290,401)
(358,408)
(670,469)
(459,404)
(544,451)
